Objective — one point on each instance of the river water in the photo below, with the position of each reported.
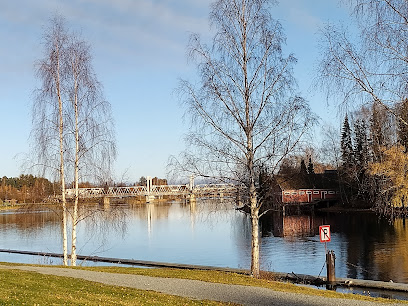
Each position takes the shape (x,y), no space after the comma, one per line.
(366,246)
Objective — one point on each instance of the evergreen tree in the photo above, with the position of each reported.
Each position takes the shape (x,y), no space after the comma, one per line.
(310,167)
(303,170)
(361,151)
(346,145)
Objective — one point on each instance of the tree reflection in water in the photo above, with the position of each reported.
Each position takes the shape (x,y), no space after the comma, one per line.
(208,233)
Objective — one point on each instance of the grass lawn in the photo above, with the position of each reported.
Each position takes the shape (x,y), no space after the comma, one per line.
(237,279)
(20,287)
(30,288)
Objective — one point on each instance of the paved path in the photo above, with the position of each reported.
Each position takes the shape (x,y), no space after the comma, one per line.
(193,289)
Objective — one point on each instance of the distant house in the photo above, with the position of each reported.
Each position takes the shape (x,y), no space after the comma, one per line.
(308,188)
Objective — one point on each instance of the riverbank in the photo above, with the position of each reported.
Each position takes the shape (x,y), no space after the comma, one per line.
(265,275)
(341,209)
(26,285)
(127,286)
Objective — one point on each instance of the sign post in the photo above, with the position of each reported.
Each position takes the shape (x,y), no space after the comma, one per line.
(324,233)
(325,236)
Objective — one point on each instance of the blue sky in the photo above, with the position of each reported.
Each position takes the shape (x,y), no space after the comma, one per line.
(139,49)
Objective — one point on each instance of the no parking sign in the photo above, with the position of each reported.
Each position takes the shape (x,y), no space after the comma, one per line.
(324,233)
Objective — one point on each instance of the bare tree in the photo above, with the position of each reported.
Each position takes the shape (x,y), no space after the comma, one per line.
(330,147)
(48,132)
(92,145)
(245,115)
(91,124)
(87,137)
(372,68)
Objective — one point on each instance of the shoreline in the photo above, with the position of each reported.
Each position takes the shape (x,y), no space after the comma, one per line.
(281,276)
(335,209)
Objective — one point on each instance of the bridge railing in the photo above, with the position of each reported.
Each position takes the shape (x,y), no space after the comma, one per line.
(127,191)
(169,190)
(214,188)
(155,190)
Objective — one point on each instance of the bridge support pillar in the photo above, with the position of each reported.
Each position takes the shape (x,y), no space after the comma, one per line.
(192,198)
(149,182)
(191,185)
(106,201)
(221,195)
(149,198)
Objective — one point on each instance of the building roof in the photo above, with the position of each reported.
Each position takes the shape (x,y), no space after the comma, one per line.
(326,180)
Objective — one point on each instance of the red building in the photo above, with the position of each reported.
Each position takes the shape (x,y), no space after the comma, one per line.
(309,188)
(308,195)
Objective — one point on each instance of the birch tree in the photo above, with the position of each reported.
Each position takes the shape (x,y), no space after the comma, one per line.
(91,125)
(245,114)
(86,130)
(372,67)
(49,115)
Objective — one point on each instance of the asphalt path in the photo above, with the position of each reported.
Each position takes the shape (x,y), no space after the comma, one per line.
(193,289)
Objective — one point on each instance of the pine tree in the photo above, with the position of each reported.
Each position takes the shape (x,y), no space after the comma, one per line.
(303,170)
(346,146)
(361,151)
(310,167)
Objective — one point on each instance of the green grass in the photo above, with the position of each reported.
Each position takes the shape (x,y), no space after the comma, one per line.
(33,288)
(237,279)
(30,288)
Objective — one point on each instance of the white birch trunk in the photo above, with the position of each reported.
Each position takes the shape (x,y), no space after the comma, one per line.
(62,175)
(250,157)
(255,263)
(76,178)
(64,201)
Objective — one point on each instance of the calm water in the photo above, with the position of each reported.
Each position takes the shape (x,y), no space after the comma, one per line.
(217,235)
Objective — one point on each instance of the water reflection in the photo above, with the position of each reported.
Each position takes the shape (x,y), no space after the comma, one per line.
(366,246)
(207,233)
(24,219)
(290,226)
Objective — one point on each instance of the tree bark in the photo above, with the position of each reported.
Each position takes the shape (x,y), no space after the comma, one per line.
(255,263)
(62,171)
(76,178)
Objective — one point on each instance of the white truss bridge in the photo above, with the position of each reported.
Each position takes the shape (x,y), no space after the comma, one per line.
(199,191)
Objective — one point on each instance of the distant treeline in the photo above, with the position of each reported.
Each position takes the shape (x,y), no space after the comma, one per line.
(26,188)
(32,189)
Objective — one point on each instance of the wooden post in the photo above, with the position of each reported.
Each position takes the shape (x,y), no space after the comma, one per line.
(331,271)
